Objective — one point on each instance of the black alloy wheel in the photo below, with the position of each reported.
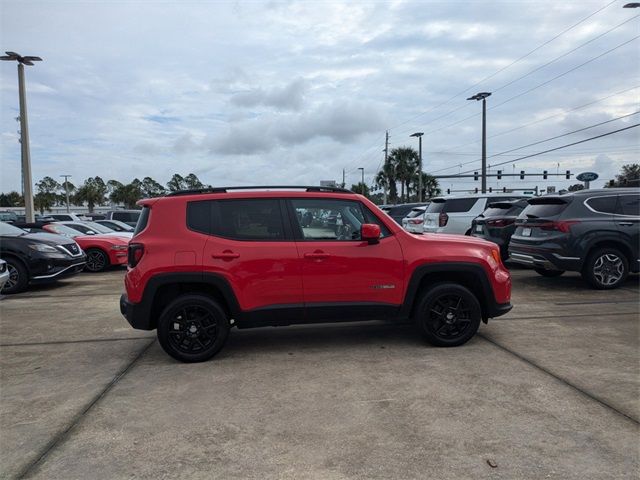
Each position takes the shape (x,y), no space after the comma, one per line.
(97,260)
(448,315)
(606,268)
(18,277)
(193,328)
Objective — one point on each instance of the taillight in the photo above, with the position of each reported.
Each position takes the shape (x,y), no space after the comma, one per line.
(136,250)
(415,221)
(443,218)
(503,222)
(563,227)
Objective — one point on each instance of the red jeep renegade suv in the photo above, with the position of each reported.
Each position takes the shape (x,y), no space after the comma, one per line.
(203,261)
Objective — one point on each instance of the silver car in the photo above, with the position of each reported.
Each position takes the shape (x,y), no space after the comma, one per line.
(4,273)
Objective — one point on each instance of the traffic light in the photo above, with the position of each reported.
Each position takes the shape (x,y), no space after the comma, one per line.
(448,191)
(476,189)
(568,175)
(544,174)
(490,189)
(475,176)
(521,174)
(504,189)
(499,174)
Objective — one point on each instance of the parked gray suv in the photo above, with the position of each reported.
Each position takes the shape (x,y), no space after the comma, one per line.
(595,232)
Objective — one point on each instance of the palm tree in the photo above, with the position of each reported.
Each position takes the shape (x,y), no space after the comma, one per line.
(405,163)
(92,192)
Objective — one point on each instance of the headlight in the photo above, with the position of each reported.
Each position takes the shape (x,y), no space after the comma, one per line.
(41,247)
(119,247)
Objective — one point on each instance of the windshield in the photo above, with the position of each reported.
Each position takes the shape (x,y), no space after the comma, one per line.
(6,229)
(98,228)
(117,225)
(62,230)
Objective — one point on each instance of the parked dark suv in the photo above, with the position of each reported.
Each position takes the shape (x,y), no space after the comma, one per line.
(498,222)
(595,232)
(203,261)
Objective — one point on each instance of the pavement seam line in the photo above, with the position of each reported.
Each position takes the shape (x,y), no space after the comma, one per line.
(560,379)
(536,317)
(59,342)
(60,437)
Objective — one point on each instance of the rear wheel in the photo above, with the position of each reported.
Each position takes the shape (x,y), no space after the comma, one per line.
(605,268)
(193,328)
(18,277)
(549,273)
(97,260)
(448,315)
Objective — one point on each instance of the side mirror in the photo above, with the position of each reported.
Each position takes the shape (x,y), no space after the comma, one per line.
(370,232)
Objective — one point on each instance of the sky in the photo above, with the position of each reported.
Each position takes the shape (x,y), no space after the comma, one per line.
(285,92)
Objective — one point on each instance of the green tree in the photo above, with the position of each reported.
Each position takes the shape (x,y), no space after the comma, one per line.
(405,163)
(629,176)
(430,186)
(46,194)
(11,199)
(176,183)
(385,180)
(127,194)
(151,188)
(361,188)
(192,182)
(61,198)
(92,192)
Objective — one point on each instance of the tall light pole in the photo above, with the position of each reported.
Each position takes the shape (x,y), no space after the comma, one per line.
(362,188)
(66,188)
(419,135)
(483,96)
(24,131)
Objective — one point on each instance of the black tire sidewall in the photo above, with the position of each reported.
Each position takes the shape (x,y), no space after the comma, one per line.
(188,300)
(424,306)
(587,272)
(23,276)
(104,255)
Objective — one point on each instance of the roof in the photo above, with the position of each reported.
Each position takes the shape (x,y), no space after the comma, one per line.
(315,189)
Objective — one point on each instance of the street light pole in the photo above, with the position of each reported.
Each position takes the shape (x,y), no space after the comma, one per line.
(66,189)
(483,96)
(419,135)
(24,131)
(362,187)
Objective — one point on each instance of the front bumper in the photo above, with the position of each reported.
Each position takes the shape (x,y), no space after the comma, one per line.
(54,269)
(137,314)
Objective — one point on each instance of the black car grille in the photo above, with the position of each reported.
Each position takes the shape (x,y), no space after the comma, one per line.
(72,248)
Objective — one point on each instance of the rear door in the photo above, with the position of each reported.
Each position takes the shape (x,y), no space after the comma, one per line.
(627,219)
(339,270)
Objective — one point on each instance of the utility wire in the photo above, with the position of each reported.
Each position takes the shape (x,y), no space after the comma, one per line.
(542,141)
(559,148)
(507,66)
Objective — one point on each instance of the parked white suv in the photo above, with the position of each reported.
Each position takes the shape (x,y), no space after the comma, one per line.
(414,220)
(68,217)
(454,213)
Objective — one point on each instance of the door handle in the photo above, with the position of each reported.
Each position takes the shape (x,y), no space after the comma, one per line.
(317,255)
(626,224)
(226,255)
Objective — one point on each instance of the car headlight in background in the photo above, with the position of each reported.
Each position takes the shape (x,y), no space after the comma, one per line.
(119,247)
(43,248)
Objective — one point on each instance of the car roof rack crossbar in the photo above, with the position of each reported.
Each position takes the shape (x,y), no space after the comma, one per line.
(261,187)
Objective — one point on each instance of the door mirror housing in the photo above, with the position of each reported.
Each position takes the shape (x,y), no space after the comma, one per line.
(370,232)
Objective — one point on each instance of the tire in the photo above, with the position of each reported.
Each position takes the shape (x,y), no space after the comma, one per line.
(193,328)
(605,268)
(549,273)
(448,315)
(18,277)
(97,260)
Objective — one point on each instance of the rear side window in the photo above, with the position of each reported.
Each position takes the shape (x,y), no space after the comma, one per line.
(459,205)
(602,204)
(143,219)
(416,212)
(629,205)
(252,219)
(435,206)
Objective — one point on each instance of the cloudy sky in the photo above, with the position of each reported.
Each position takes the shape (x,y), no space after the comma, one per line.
(293,92)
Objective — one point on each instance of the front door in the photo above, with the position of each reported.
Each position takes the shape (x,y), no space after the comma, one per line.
(341,274)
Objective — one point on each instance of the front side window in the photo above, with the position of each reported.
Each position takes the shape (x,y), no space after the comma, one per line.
(331,219)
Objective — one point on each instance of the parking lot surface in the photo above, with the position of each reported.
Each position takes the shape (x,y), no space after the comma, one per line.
(550,390)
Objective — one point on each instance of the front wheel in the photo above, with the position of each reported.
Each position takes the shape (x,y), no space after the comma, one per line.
(605,268)
(448,315)
(97,260)
(549,273)
(18,277)
(193,328)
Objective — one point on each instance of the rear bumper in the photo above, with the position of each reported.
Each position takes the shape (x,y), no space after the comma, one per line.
(498,309)
(546,260)
(137,314)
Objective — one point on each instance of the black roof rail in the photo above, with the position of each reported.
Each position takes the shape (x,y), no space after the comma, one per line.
(261,187)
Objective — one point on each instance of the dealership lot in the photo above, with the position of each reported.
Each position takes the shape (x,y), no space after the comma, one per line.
(549,390)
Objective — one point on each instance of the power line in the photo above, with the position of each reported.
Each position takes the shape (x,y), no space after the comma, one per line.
(543,141)
(507,66)
(560,147)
